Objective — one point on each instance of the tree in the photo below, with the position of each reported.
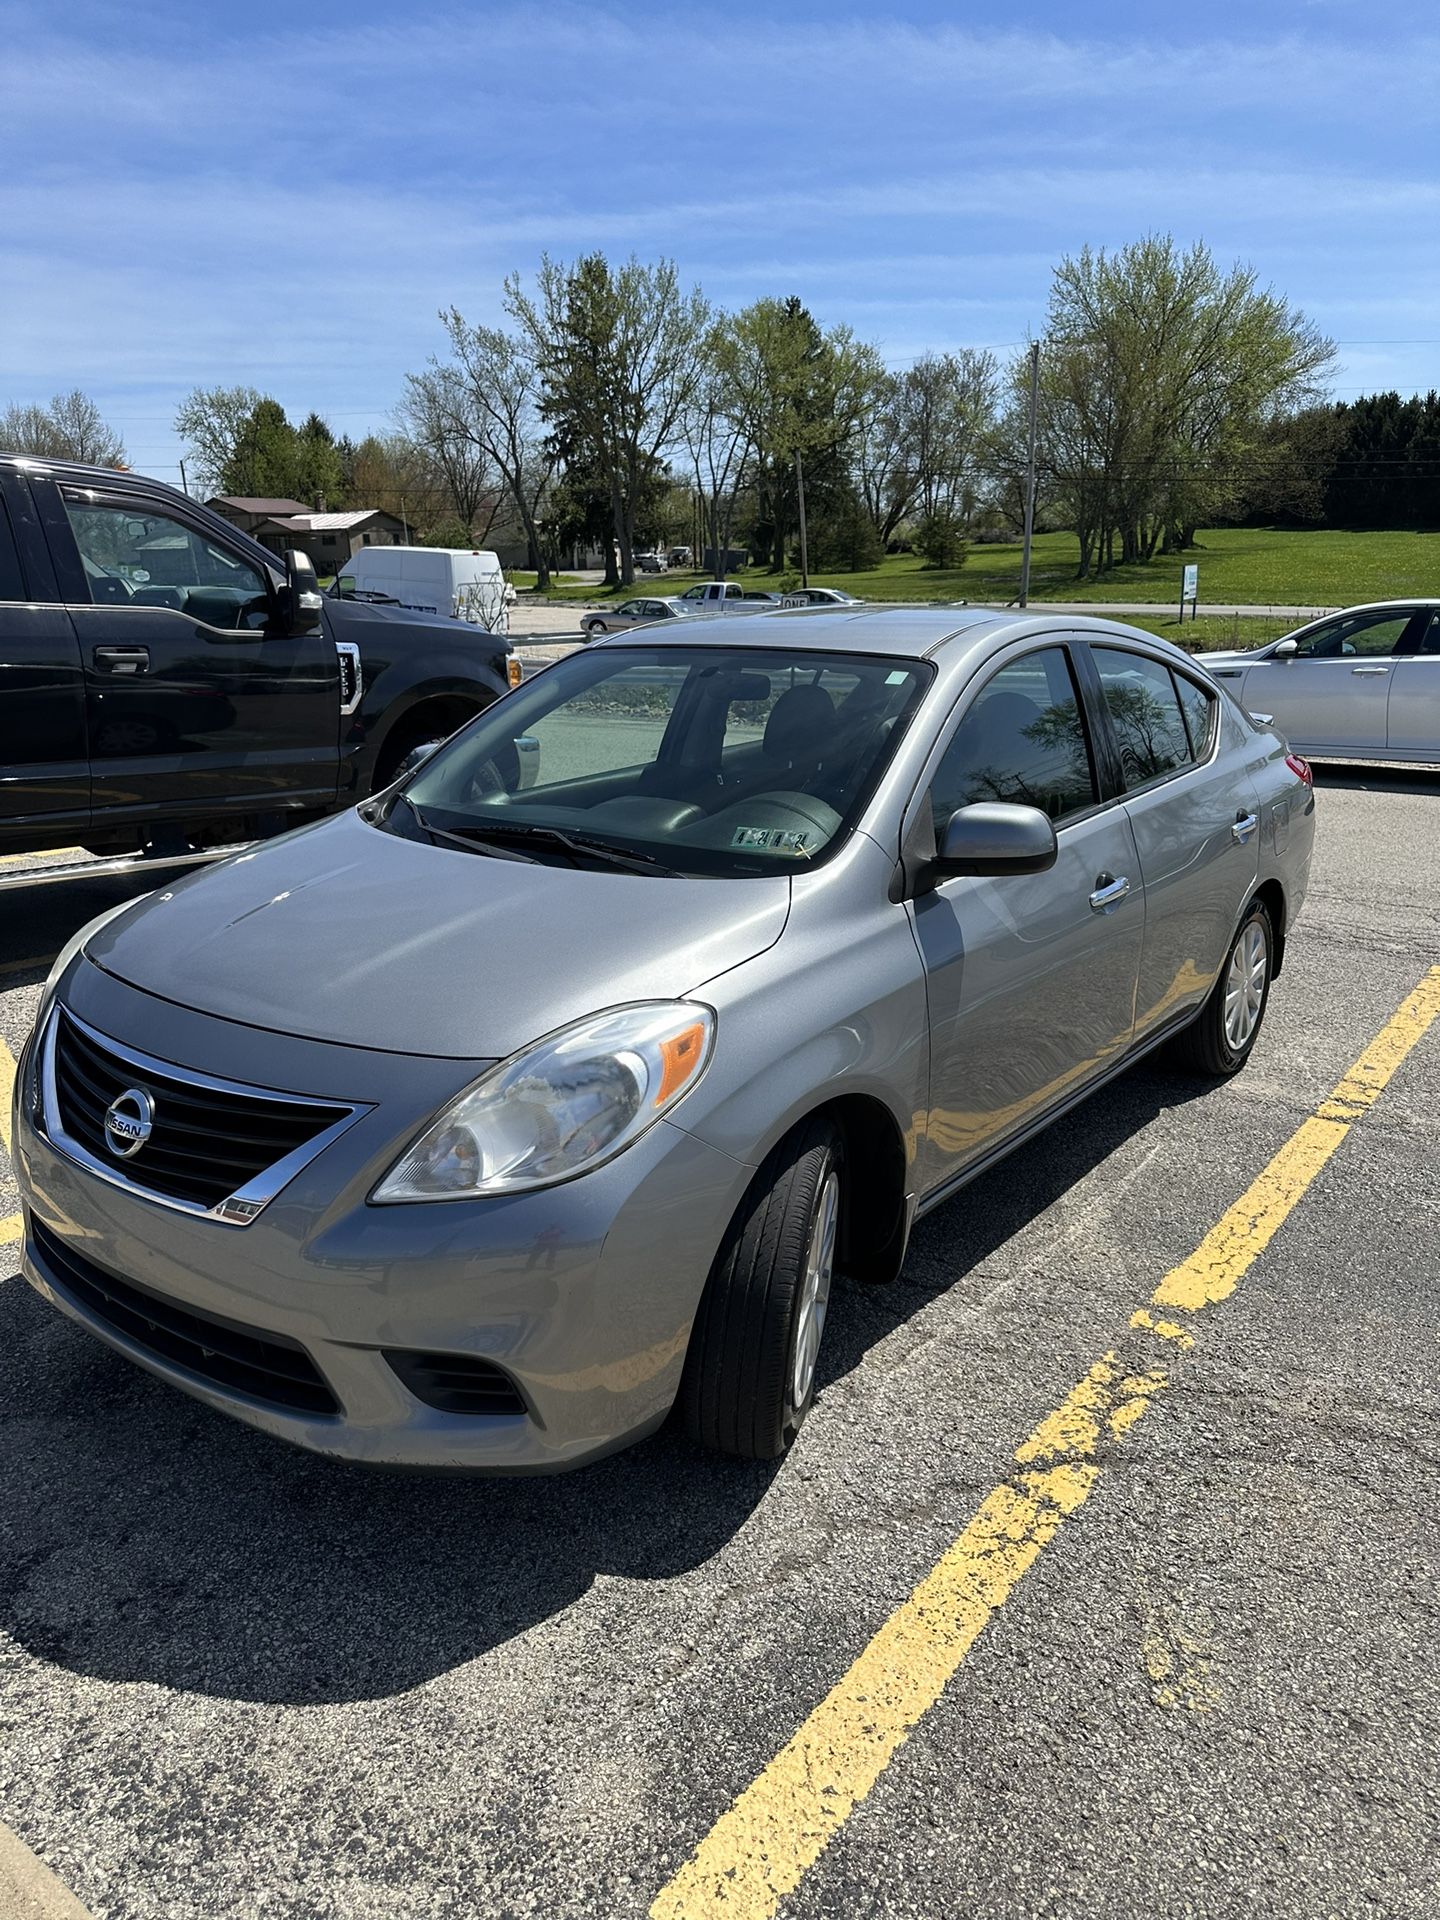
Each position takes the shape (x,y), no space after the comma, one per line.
(919,445)
(435,418)
(493,400)
(1161,379)
(720,450)
(212,422)
(796,392)
(620,355)
(70,428)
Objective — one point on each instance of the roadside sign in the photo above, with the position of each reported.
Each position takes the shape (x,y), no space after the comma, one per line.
(1190,590)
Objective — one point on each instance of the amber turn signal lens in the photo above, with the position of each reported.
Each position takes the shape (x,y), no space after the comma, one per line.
(514,673)
(678,1060)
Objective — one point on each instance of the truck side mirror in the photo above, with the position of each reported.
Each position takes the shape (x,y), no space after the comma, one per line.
(300,601)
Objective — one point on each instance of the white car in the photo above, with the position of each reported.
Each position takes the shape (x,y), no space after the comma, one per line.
(820,597)
(1359,685)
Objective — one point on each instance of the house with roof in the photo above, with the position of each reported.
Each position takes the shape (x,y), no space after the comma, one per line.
(328,538)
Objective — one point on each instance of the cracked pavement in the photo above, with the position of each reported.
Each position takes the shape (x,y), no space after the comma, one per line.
(242,1682)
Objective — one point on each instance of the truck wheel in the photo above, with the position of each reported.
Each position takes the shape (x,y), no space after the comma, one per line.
(1220,1039)
(415,741)
(749,1376)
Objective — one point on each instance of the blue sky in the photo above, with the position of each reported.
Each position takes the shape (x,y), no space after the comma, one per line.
(284,197)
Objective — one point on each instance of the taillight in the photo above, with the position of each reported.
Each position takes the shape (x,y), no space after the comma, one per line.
(1300,767)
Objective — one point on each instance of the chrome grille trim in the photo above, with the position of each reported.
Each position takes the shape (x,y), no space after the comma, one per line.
(237,1209)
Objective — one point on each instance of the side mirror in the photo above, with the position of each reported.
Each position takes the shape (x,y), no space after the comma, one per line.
(995,837)
(300,601)
(1285,650)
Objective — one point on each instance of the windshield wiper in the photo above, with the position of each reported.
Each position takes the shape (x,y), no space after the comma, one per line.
(576,845)
(439,836)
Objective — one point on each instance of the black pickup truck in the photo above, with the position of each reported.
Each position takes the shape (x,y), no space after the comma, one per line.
(164,679)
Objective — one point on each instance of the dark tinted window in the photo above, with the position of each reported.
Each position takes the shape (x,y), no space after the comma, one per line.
(1199,710)
(12,584)
(1430,639)
(1145,709)
(1022,740)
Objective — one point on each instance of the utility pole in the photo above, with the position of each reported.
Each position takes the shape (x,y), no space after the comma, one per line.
(1030,475)
(804,543)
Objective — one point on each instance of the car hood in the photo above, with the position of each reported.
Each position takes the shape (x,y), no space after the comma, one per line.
(349,620)
(345,933)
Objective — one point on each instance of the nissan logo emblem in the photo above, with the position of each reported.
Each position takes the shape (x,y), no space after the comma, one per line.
(129,1122)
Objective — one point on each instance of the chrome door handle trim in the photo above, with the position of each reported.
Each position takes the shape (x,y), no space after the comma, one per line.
(1369,669)
(1245,825)
(1109,893)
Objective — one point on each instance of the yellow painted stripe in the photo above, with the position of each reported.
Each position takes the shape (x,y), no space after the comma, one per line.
(47,858)
(12,1228)
(762,1847)
(7,1083)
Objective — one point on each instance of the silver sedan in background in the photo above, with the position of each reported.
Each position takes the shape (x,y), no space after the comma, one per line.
(632,613)
(487,1123)
(1359,685)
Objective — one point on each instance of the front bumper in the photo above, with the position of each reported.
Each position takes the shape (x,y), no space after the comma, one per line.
(583,1293)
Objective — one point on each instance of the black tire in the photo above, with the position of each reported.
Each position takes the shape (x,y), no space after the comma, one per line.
(414,742)
(738,1394)
(596,626)
(1206,1046)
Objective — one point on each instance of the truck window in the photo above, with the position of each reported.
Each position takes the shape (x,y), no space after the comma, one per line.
(12,581)
(136,556)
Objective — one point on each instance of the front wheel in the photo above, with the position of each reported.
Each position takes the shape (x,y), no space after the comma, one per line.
(1220,1040)
(750,1369)
(596,628)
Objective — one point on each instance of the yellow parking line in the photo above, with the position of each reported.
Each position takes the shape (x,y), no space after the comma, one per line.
(46,858)
(12,1228)
(7,1083)
(762,1847)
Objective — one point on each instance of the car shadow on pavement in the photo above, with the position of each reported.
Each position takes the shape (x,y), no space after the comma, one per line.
(147,1538)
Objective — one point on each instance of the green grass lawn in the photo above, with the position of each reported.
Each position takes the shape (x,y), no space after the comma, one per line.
(1261,566)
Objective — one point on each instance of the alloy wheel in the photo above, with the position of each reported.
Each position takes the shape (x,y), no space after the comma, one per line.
(814,1301)
(1245,984)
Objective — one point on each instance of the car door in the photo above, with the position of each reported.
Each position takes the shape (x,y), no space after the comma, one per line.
(44,766)
(1413,717)
(1332,696)
(1030,977)
(1181,763)
(195,696)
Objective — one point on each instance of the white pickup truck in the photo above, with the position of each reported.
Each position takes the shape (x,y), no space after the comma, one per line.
(725,596)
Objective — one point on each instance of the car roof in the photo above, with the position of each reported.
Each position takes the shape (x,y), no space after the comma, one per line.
(914,633)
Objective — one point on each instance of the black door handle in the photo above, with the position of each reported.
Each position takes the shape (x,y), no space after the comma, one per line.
(122,659)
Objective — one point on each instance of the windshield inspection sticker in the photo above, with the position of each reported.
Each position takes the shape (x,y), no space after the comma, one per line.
(772,840)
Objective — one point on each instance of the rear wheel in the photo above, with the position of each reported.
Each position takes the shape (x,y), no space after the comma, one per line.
(1220,1040)
(750,1370)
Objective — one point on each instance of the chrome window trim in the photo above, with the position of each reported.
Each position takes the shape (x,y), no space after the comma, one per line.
(237,1209)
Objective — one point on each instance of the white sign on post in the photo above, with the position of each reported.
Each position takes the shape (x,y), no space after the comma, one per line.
(1190,590)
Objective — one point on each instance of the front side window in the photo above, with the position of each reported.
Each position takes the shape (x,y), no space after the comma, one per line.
(1358,635)
(1022,739)
(707,760)
(134,556)
(1145,712)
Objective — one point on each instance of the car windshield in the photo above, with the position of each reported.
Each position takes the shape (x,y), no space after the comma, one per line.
(704,760)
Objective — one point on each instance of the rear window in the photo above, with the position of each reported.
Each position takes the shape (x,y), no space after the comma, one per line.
(1145,712)
(12,581)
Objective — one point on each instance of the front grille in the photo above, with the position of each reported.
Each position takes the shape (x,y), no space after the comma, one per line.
(205,1144)
(264,1366)
(456,1383)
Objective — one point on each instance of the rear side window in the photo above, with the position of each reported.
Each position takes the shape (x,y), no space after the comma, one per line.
(1145,712)
(1199,709)
(12,583)
(1023,739)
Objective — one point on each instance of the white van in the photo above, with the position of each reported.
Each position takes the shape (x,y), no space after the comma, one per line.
(464,581)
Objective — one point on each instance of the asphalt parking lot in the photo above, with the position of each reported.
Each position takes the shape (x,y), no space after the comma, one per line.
(1172,1665)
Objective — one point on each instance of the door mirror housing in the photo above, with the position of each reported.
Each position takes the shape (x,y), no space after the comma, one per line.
(300,600)
(1285,650)
(994,837)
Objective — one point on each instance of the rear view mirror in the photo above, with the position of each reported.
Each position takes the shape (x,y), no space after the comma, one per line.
(1285,650)
(300,601)
(995,837)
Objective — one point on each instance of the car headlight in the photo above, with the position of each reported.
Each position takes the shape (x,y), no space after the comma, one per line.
(563,1106)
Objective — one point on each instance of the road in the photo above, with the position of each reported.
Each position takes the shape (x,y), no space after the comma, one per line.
(1187,1672)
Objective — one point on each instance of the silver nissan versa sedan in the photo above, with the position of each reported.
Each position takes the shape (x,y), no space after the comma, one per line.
(485,1124)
